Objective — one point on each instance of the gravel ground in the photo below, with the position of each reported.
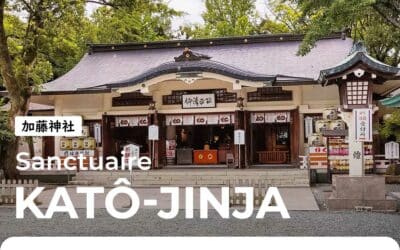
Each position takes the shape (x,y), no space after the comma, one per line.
(147,223)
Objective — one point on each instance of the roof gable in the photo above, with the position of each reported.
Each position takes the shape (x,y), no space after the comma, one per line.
(358,58)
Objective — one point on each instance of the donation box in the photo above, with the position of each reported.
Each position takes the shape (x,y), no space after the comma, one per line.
(205,156)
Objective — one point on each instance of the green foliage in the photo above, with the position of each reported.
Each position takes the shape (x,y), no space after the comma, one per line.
(361,17)
(6,136)
(65,39)
(393,169)
(382,40)
(45,44)
(286,18)
(65,31)
(41,70)
(391,126)
(130,21)
(225,18)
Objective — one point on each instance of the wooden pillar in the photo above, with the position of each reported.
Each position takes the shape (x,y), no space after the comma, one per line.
(159,146)
(248,132)
(294,136)
(239,124)
(153,149)
(107,123)
(301,134)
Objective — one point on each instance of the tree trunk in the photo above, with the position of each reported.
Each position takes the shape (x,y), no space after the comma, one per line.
(10,160)
(31,146)
(11,150)
(19,92)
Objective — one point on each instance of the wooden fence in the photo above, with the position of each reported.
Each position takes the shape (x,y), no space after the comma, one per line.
(260,188)
(8,189)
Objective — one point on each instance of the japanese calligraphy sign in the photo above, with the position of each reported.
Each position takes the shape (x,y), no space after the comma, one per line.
(391,150)
(198,101)
(363,125)
(48,126)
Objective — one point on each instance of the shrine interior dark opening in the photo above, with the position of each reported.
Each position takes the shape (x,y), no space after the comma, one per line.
(271,143)
(202,144)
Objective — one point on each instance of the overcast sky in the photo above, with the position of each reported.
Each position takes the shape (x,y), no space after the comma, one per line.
(193,10)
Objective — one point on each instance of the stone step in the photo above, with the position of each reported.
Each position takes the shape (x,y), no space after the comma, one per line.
(184,177)
(80,183)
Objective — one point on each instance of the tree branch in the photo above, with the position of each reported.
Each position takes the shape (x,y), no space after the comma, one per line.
(6,69)
(390,12)
(101,2)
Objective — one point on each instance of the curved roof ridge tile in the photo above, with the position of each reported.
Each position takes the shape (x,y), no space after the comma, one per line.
(210,66)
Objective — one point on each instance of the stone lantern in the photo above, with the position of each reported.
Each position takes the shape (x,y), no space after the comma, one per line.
(356,77)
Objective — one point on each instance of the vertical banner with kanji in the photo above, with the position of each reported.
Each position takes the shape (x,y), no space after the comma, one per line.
(363,125)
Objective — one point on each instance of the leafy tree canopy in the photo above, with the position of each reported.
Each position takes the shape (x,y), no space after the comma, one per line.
(225,18)
(376,22)
(129,21)
(283,18)
(391,126)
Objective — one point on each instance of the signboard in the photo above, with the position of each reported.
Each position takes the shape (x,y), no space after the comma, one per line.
(188,120)
(391,150)
(201,119)
(308,126)
(170,148)
(270,117)
(134,121)
(153,132)
(174,120)
(198,101)
(122,121)
(70,126)
(258,118)
(131,121)
(97,132)
(318,157)
(363,125)
(317,150)
(143,121)
(277,117)
(225,119)
(239,137)
(131,150)
(212,119)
